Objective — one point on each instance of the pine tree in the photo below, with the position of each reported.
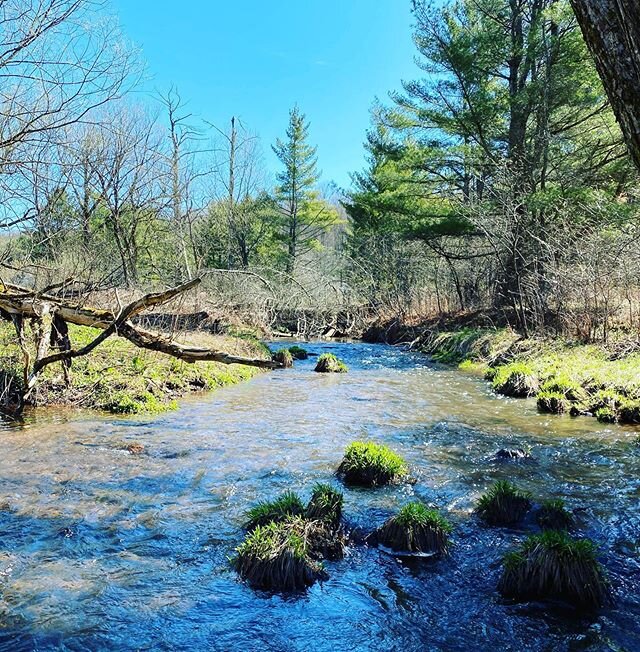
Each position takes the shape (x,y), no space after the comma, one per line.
(305,216)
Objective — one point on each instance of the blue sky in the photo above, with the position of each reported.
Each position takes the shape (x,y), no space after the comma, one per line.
(255,59)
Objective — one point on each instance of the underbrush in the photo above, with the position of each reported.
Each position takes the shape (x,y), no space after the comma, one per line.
(120,378)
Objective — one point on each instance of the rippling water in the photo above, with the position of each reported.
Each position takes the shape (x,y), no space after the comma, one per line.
(103,550)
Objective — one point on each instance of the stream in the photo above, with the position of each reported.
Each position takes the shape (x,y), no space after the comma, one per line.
(104,550)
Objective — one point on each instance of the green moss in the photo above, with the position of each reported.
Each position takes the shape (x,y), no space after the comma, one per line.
(416,528)
(325,504)
(277,511)
(554,565)
(370,465)
(503,504)
(329,363)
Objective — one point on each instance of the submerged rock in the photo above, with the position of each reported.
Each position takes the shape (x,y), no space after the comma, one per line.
(513,454)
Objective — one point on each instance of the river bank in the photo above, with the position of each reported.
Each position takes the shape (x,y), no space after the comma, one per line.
(120,378)
(601,381)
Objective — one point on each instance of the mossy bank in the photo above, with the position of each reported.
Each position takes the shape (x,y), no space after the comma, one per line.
(122,379)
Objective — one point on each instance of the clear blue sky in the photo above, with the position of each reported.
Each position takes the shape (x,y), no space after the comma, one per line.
(255,59)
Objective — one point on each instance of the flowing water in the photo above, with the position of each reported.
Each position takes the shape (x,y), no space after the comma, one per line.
(104,550)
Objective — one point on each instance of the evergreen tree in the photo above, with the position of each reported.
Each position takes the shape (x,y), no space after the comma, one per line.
(305,216)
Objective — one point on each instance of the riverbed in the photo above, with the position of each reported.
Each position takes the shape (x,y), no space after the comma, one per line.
(101,549)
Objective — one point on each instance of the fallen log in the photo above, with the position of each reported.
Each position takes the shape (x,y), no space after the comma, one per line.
(50,316)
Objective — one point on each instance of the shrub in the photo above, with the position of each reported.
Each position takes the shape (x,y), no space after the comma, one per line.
(416,529)
(298,353)
(328,363)
(325,505)
(277,556)
(553,565)
(554,516)
(503,504)
(283,357)
(552,402)
(276,511)
(371,465)
(516,379)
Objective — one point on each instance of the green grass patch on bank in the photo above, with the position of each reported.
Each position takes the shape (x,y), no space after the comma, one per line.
(563,377)
(120,378)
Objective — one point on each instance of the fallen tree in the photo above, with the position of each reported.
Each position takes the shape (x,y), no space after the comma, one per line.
(50,314)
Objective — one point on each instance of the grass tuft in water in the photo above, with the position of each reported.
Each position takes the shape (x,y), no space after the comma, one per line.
(277,556)
(283,357)
(275,511)
(503,504)
(553,515)
(298,352)
(554,565)
(325,505)
(368,464)
(416,528)
(329,363)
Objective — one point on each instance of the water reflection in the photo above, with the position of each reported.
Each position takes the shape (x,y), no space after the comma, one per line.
(101,549)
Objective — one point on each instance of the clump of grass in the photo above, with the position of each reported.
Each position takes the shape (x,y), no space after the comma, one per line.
(629,411)
(368,464)
(516,379)
(298,352)
(554,565)
(329,363)
(552,402)
(325,505)
(606,415)
(275,511)
(503,504)
(553,515)
(416,528)
(284,358)
(567,386)
(278,556)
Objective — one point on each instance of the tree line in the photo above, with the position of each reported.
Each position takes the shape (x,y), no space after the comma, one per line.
(499,180)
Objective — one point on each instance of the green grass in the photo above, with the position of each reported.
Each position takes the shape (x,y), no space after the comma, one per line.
(417,513)
(284,357)
(503,504)
(553,515)
(369,464)
(329,363)
(298,352)
(416,528)
(564,376)
(325,504)
(120,378)
(554,565)
(275,511)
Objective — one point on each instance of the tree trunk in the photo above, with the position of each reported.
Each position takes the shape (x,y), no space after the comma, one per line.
(611,29)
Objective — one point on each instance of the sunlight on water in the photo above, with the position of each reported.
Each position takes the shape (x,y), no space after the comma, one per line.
(104,550)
